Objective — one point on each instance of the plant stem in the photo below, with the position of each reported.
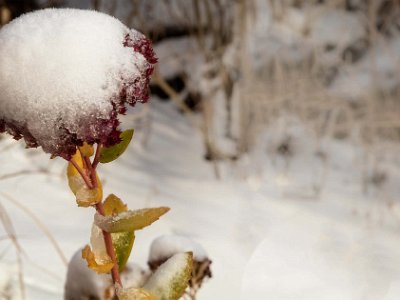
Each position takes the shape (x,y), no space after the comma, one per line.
(84,162)
(91,182)
(92,172)
(82,173)
(97,156)
(110,248)
(100,209)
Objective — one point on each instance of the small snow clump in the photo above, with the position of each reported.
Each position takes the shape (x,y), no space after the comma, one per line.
(83,283)
(66,74)
(166,246)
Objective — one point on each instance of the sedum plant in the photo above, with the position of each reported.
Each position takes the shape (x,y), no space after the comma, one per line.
(65,77)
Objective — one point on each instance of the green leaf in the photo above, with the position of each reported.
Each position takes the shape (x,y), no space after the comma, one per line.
(171,279)
(112,153)
(130,220)
(122,241)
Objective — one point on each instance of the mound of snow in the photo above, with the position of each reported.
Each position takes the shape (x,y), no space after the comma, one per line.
(84,283)
(66,74)
(166,246)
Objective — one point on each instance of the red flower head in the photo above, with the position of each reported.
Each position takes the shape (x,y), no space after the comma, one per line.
(66,74)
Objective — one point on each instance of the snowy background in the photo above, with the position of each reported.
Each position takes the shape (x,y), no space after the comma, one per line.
(272,133)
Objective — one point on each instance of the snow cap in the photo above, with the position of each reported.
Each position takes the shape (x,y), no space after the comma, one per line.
(166,246)
(66,74)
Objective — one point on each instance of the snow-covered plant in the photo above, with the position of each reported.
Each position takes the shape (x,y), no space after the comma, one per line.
(167,246)
(65,76)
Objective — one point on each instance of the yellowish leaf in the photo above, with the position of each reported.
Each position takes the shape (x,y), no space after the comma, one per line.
(86,149)
(77,158)
(93,264)
(130,220)
(86,197)
(133,294)
(114,205)
(122,241)
(75,180)
(171,279)
(75,183)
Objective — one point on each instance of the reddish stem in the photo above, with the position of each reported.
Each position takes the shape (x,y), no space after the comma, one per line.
(107,236)
(96,159)
(84,163)
(82,173)
(91,184)
(92,171)
(110,249)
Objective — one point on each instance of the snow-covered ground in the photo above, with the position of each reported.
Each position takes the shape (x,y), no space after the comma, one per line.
(270,234)
(319,220)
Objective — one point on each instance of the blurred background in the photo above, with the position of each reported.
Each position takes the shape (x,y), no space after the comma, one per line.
(273,134)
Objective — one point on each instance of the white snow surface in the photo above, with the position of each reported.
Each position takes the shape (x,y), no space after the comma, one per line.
(166,246)
(82,282)
(377,71)
(301,227)
(62,66)
(268,233)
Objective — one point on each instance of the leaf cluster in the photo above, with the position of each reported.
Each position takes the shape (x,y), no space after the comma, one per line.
(171,279)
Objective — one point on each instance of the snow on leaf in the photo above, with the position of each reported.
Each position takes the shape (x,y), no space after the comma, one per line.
(86,197)
(75,183)
(130,220)
(92,262)
(166,246)
(112,153)
(171,279)
(98,245)
(133,294)
(122,241)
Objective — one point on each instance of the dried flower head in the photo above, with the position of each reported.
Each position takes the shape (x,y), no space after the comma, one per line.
(66,74)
